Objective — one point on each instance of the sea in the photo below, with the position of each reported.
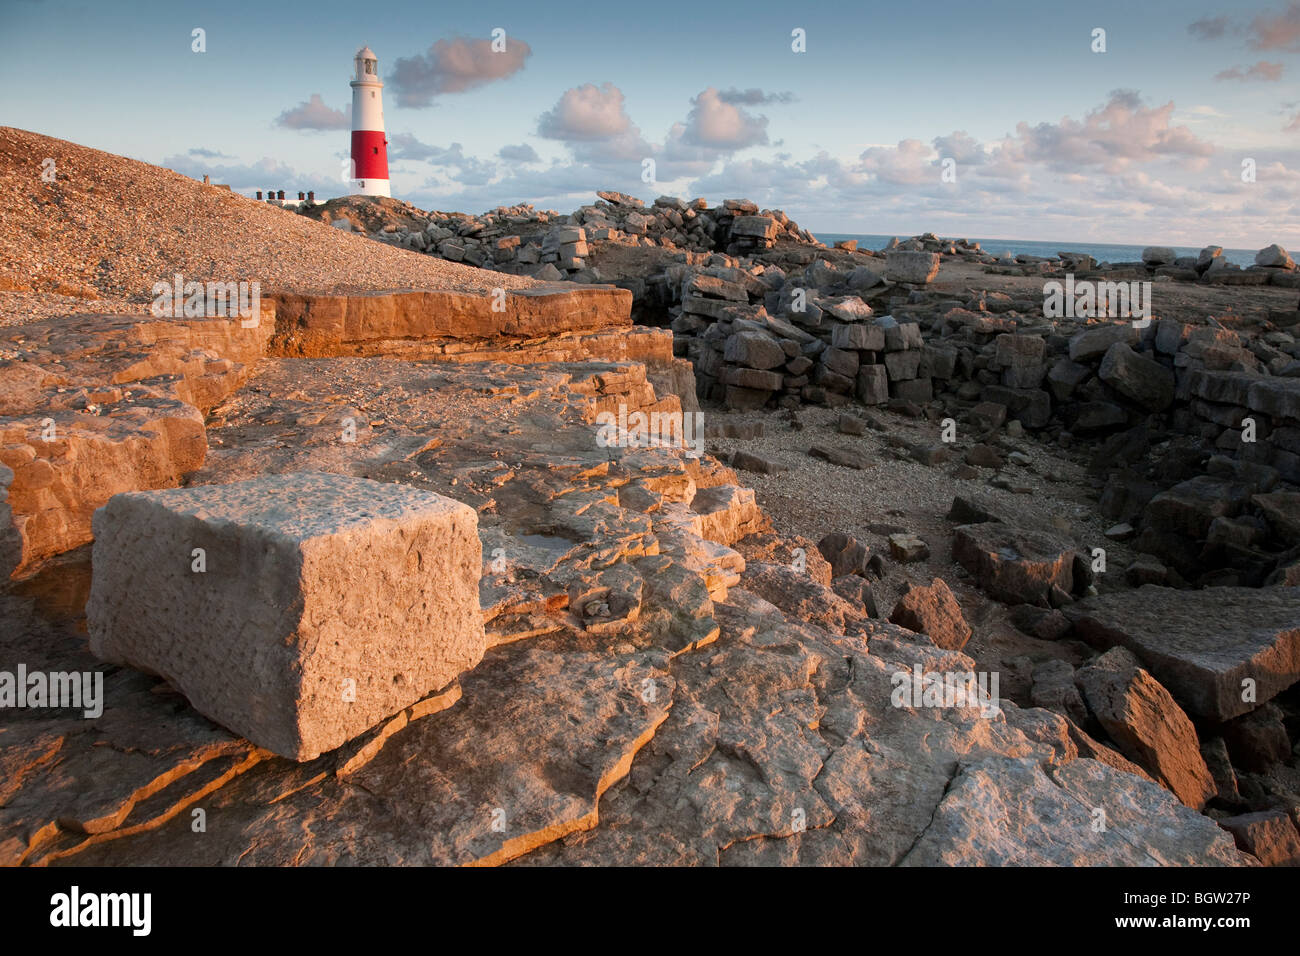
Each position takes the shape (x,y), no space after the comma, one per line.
(1102,252)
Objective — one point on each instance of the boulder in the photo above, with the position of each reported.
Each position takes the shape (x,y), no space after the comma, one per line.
(1015,565)
(1258,740)
(1158,255)
(1149,727)
(913,267)
(297,610)
(1092,343)
(1134,376)
(1269,836)
(994,812)
(846,554)
(872,385)
(1054,688)
(757,227)
(1221,651)
(1282,509)
(988,415)
(1274,257)
(858,336)
(754,349)
(845,457)
(934,611)
(906,547)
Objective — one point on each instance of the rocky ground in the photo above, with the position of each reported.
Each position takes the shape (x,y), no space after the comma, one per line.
(908,470)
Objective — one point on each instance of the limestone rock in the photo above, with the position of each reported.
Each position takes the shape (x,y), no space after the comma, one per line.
(323,604)
(1204,644)
(1270,837)
(1015,565)
(915,267)
(1146,382)
(934,611)
(1150,728)
(846,554)
(995,813)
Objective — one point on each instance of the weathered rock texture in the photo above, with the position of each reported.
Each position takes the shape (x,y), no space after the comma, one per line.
(322,604)
(632,672)
(1203,645)
(1148,725)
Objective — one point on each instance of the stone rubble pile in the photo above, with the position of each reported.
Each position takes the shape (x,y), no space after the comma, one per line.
(546,245)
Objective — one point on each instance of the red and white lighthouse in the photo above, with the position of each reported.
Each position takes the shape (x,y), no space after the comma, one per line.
(369,146)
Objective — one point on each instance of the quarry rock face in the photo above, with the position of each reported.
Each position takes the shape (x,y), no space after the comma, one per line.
(298,610)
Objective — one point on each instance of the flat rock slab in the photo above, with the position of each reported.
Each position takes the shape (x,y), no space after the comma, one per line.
(542,730)
(324,604)
(1003,812)
(1203,644)
(333,324)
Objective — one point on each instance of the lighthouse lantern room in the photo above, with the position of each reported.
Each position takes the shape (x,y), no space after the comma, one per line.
(369,145)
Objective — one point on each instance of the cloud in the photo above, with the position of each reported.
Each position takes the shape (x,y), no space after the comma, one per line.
(266,173)
(315,115)
(962,147)
(208,153)
(1263,70)
(1280,31)
(715,123)
(454,66)
(1293,126)
(586,113)
(471,169)
(907,164)
(755,97)
(519,153)
(1208,28)
(1121,132)
(407,146)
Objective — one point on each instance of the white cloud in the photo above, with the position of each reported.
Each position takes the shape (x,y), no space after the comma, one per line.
(315,115)
(454,66)
(715,123)
(586,113)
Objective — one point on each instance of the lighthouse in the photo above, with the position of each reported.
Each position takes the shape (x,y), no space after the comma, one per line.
(369,147)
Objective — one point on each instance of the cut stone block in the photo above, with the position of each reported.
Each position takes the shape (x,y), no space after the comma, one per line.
(1209,647)
(326,603)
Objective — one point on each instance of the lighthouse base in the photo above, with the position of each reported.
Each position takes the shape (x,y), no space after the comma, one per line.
(370,187)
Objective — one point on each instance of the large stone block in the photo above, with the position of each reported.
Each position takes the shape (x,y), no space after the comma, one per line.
(325,603)
(1220,651)
(914,267)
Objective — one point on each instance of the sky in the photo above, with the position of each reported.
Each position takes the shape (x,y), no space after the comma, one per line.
(991,120)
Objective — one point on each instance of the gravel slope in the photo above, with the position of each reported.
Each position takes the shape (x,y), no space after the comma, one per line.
(108,228)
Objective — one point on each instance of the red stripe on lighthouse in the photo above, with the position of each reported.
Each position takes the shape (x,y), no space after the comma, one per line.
(370,154)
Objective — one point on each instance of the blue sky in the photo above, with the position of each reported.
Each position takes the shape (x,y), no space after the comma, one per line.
(1141,143)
